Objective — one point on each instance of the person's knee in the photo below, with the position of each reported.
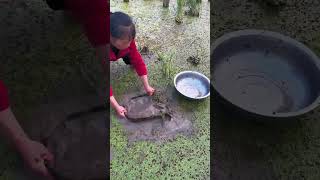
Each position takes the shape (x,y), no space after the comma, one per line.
(126,60)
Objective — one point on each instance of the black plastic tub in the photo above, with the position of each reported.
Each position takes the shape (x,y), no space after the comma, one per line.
(265,74)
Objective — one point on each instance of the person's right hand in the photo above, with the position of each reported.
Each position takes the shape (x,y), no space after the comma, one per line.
(121,111)
(35,155)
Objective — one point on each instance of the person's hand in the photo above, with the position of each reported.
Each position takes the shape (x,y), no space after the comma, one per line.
(150,90)
(36,155)
(121,111)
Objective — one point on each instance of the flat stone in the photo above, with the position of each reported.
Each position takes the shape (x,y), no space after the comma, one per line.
(148,119)
(79,146)
(142,107)
(75,131)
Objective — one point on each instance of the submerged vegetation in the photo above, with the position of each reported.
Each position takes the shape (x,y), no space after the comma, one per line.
(167,64)
(187,7)
(193,7)
(180,7)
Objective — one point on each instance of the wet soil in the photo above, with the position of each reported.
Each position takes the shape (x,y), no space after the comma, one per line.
(154,118)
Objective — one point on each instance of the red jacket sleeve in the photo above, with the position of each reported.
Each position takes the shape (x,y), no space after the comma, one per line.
(97,29)
(136,60)
(4,97)
(111,93)
(95,18)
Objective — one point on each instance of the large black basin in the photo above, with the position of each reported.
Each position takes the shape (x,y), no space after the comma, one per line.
(265,73)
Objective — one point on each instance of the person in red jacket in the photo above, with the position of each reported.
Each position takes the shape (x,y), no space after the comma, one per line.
(123,45)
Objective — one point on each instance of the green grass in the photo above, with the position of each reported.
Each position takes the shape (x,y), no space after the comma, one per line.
(168,67)
(179,13)
(193,7)
(9,161)
(315,45)
(183,157)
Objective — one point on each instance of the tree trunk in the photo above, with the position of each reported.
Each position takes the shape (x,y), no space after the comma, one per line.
(166,3)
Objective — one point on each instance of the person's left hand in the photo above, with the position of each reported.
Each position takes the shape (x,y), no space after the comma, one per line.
(150,90)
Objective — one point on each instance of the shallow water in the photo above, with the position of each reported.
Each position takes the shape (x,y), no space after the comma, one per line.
(191,87)
(248,84)
(157,29)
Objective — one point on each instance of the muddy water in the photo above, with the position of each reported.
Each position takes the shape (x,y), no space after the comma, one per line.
(156,28)
(245,150)
(248,85)
(150,120)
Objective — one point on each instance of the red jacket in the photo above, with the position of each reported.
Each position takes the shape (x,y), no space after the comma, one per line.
(4,98)
(94,15)
(135,59)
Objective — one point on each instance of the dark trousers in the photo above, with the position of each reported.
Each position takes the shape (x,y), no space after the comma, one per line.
(126,60)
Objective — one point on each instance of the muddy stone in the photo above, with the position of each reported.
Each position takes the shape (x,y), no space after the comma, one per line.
(79,146)
(76,135)
(142,107)
(150,120)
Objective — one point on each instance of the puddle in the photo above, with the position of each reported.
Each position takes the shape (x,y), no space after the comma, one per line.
(153,120)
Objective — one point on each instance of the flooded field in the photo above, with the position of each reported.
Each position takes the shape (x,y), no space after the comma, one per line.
(185,156)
